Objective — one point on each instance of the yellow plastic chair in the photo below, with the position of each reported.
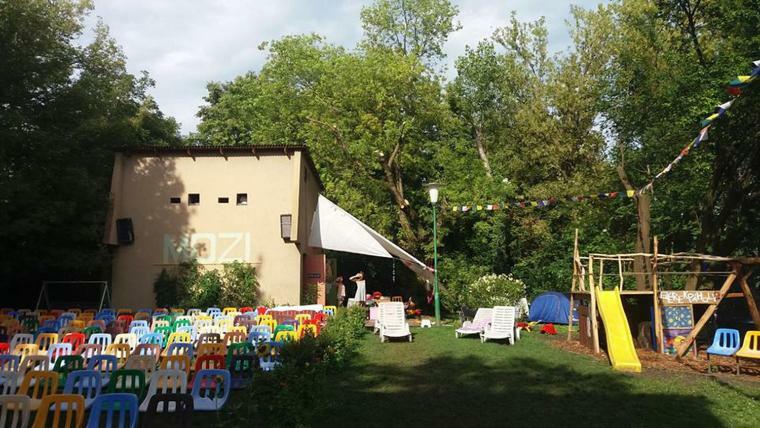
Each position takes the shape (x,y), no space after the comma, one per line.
(78,324)
(142,316)
(34,362)
(179,337)
(176,362)
(44,340)
(37,385)
(204,317)
(121,351)
(211,349)
(303,328)
(302,317)
(234,337)
(332,308)
(261,318)
(86,317)
(16,410)
(229,310)
(26,349)
(286,336)
(750,348)
(239,328)
(60,410)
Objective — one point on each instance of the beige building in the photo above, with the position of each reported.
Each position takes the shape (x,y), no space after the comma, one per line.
(252,204)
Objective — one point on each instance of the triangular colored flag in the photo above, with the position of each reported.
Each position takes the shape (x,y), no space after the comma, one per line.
(702,136)
(613,195)
(489,207)
(533,203)
(455,209)
(630,193)
(479,208)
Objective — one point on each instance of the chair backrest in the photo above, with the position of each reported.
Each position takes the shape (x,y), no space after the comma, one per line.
(211,349)
(21,339)
(212,311)
(89,350)
(57,350)
(285,336)
(503,319)
(193,312)
(128,381)
(138,323)
(68,363)
(727,339)
(60,410)
(102,339)
(176,362)
(234,337)
(181,417)
(25,349)
(75,339)
(209,362)
(122,351)
(37,384)
(15,411)
(242,366)
(179,338)
(213,384)
(153,339)
(178,348)
(392,314)
(751,342)
(105,364)
(259,334)
(113,410)
(208,338)
(305,329)
(148,349)
(144,363)
(127,338)
(45,340)
(168,381)
(34,362)
(482,316)
(9,363)
(86,383)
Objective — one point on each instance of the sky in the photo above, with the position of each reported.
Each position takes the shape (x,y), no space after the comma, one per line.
(186,44)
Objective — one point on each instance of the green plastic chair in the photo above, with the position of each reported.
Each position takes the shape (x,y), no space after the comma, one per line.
(128,381)
(66,364)
(242,348)
(91,330)
(181,323)
(165,331)
(283,327)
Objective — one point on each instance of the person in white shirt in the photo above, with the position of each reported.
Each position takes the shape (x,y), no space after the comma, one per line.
(361,287)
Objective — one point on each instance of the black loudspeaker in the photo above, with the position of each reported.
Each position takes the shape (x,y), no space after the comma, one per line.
(125,235)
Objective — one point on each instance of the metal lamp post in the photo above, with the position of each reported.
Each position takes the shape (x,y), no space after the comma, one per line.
(433,192)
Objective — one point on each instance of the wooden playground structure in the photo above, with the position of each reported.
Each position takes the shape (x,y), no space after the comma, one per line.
(675,283)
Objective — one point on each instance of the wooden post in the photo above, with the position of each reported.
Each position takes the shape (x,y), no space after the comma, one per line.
(681,350)
(592,304)
(572,287)
(656,301)
(753,311)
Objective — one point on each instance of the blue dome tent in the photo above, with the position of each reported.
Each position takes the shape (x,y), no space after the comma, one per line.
(551,307)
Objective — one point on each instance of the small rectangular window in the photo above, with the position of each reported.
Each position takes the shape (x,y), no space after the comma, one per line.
(175,200)
(224,200)
(194,198)
(242,198)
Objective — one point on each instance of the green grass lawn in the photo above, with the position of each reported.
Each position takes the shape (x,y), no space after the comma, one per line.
(441,381)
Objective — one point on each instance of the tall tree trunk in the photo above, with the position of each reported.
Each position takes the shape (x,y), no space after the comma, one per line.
(643,204)
(480,143)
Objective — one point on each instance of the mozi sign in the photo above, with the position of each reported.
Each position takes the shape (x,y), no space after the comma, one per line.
(207,248)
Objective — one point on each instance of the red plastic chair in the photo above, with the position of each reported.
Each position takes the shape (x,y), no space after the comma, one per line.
(127,318)
(261,310)
(4,348)
(245,309)
(75,339)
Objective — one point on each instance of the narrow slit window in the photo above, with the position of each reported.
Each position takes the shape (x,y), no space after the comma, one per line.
(175,200)
(242,198)
(194,199)
(224,200)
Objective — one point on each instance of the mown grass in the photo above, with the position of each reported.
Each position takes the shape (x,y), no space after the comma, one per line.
(441,381)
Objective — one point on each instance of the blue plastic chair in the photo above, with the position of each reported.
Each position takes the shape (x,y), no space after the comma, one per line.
(212,311)
(153,339)
(139,331)
(86,383)
(211,389)
(105,365)
(259,336)
(725,343)
(177,348)
(138,323)
(106,406)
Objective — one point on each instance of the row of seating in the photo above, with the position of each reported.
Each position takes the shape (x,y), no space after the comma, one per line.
(726,343)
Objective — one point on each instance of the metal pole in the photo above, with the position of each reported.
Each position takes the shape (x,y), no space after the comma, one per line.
(435,267)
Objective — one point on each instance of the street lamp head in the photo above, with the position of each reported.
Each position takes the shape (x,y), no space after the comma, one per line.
(433,192)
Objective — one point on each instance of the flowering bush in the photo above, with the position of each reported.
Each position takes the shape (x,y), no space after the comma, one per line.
(494,290)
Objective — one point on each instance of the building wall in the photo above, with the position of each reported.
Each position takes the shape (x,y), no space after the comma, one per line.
(218,233)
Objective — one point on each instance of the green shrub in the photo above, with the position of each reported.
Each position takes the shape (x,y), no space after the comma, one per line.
(309,294)
(240,286)
(494,290)
(189,285)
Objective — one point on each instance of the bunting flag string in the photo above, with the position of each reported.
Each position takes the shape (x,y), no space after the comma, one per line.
(540,203)
(734,88)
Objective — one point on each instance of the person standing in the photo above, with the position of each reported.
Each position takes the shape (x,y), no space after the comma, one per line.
(361,286)
(341,289)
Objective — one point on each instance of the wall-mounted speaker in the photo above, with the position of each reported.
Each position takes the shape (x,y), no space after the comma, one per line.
(125,235)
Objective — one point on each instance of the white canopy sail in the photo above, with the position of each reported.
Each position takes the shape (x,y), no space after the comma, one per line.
(332,228)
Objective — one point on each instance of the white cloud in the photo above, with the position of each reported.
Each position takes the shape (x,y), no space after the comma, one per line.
(184,45)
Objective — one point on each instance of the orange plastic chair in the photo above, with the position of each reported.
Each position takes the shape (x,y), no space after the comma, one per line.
(750,348)
(60,410)
(37,385)
(234,337)
(121,351)
(176,362)
(77,324)
(26,349)
(211,349)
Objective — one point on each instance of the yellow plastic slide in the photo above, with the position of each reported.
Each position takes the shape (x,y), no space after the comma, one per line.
(619,340)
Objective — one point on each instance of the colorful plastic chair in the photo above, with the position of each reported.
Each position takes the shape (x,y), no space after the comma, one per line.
(86,383)
(38,384)
(750,348)
(181,416)
(75,339)
(211,389)
(177,348)
(105,365)
(211,349)
(165,382)
(726,342)
(113,410)
(54,407)
(144,363)
(177,362)
(102,339)
(15,411)
(127,338)
(67,364)
(127,381)
(58,350)
(241,369)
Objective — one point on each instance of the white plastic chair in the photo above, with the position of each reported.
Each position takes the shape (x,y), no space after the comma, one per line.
(15,409)
(19,339)
(502,325)
(477,325)
(102,339)
(166,382)
(128,338)
(58,350)
(211,389)
(393,321)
